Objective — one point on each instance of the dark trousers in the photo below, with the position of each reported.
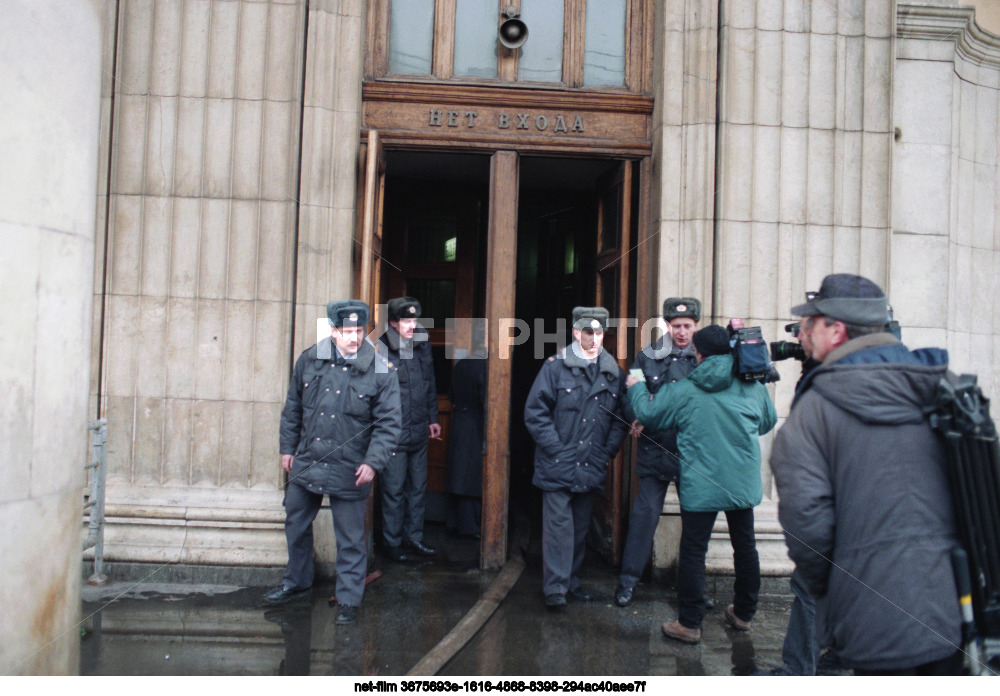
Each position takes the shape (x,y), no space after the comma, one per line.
(641,529)
(565,521)
(695,533)
(301,508)
(950,666)
(404,482)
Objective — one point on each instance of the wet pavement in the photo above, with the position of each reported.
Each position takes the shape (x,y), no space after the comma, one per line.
(175,629)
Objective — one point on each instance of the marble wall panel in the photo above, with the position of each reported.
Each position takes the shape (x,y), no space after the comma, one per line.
(238,351)
(244,231)
(181,348)
(157,224)
(185,235)
(177,439)
(920,286)
(237,421)
(767,83)
(207,446)
(251,53)
(190,147)
(247,146)
(165,49)
(264,470)
(194,47)
(222,49)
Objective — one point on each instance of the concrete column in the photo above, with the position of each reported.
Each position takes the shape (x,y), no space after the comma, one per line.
(50,61)
(683,190)
(946,215)
(197,285)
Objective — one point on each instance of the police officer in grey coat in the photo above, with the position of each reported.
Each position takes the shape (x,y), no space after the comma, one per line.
(669,359)
(340,423)
(404,483)
(574,413)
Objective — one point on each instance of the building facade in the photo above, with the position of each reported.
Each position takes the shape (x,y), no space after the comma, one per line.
(260,158)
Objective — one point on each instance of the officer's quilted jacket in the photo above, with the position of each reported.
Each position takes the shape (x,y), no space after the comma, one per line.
(577,425)
(337,417)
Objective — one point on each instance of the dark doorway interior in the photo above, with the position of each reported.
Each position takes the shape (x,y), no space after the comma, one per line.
(434,232)
(556,251)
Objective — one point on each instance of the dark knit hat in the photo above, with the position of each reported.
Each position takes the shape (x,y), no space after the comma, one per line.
(850,298)
(593,318)
(347,313)
(674,307)
(712,340)
(403,308)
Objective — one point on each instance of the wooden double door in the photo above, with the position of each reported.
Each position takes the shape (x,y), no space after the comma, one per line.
(519,241)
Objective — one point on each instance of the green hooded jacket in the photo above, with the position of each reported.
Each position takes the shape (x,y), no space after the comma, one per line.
(719,419)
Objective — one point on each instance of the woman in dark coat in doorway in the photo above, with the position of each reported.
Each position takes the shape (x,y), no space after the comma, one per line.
(465,442)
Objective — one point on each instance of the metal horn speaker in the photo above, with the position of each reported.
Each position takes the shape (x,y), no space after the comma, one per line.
(513,32)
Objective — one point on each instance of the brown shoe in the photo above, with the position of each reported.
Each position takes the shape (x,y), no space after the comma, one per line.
(674,629)
(736,622)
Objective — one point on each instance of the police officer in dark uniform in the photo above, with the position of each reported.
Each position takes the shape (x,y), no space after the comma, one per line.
(404,482)
(574,413)
(669,359)
(339,426)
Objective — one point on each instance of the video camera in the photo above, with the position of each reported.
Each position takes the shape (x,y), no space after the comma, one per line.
(750,357)
(783,350)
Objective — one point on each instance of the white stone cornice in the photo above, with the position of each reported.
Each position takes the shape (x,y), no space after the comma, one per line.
(956,24)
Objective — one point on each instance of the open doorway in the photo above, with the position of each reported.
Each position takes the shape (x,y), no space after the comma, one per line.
(571,234)
(569,212)
(434,231)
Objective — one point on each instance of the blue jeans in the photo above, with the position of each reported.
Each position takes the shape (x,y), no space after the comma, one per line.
(800,652)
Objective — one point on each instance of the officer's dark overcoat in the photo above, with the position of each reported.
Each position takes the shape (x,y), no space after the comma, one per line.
(417,386)
(577,424)
(337,417)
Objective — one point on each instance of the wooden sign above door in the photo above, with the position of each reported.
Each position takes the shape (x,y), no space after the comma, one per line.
(505,117)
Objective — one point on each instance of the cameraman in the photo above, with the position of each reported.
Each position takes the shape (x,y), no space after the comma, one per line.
(718,419)
(863,494)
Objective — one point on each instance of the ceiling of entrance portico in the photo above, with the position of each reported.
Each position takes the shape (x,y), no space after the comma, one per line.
(536,172)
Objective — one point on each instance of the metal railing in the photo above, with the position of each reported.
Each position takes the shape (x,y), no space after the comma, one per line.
(95,497)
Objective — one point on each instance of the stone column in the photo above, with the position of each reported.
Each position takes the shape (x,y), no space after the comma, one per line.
(946,180)
(50,62)
(197,288)
(331,131)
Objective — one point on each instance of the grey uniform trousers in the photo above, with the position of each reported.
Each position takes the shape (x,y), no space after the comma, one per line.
(641,529)
(301,508)
(565,521)
(404,483)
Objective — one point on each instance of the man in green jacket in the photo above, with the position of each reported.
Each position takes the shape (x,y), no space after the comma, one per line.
(718,419)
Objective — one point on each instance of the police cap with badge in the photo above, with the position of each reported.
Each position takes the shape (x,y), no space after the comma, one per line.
(342,313)
(676,307)
(590,318)
(403,308)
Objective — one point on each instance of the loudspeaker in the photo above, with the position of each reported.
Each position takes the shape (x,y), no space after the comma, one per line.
(513,32)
